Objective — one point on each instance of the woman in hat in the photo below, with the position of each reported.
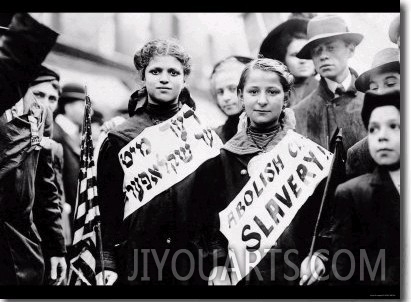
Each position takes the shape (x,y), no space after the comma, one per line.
(367,208)
(282,44)
(169,223)
(384,75)
(224,80)
(263,89)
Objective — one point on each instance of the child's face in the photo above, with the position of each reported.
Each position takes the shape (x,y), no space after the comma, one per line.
(225,85)
(164,79)
(382,82)
(263,97)
(384,135)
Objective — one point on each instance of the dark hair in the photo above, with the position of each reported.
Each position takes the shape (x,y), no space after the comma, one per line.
(97,117)
(284,42)
(160,47)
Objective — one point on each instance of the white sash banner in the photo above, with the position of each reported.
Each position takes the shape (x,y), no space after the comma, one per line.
(163,155)
(280,183)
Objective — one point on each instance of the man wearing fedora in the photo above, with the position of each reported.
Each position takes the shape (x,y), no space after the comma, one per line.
(384,75)
(336,103)
(67,131)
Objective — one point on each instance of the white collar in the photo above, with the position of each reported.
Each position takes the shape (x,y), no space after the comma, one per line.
(333,85)
(67,125)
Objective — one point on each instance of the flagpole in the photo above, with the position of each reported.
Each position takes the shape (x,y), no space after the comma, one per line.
(338,139)
(100,248)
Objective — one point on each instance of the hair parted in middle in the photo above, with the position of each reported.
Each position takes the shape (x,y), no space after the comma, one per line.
(161,47)
(270,65)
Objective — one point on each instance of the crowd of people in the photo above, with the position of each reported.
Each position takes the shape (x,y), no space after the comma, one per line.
(301,81)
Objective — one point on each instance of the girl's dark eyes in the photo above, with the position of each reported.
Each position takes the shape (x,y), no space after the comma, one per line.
(395,126)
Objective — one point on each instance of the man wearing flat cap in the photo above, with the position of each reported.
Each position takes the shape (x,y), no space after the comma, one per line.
(67,131)
(336,103)
(23,123)
(383,76)
(48,209)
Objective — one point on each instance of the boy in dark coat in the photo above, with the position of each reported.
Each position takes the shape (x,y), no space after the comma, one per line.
(367,211)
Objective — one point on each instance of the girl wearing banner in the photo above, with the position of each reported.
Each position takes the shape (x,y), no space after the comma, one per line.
(140,249)
(263,89)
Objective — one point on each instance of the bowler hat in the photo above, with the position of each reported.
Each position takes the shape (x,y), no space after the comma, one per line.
(384,61)
(394,30)
(72,92)
(322,28)
(273,46)
(374,100)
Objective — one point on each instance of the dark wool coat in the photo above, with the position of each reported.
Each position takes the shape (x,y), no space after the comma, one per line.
(229,129)
(320,114)
(359,160)
(22,50)
(302,89)
(170,223)
(230,175)
(367,217)
(21,255)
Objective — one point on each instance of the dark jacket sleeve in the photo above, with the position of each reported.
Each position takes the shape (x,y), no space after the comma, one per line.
(209,188)
(342,231)
(47,205)
(111,200)
(22,50)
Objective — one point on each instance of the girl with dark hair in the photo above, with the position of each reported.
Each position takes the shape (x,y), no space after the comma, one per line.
(282,44)
(168,223)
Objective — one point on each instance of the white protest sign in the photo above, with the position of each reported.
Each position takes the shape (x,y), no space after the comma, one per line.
(280,182)
(163,155)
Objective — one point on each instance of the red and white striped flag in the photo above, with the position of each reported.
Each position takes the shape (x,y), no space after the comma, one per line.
(87,248)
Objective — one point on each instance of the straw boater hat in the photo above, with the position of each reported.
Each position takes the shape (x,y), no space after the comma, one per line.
(385,60)
(394,30)
(322,28)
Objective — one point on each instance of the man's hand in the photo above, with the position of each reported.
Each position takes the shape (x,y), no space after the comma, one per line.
(311,270)
(219,276)
(58,269)
(109,278)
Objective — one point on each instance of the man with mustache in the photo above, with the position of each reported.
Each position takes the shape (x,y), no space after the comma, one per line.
(336,103)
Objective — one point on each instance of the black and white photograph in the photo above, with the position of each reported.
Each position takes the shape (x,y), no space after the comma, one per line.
(174,155)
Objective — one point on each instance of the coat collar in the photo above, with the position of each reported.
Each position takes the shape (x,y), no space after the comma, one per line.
(241,143)
(139,99)
(326,93)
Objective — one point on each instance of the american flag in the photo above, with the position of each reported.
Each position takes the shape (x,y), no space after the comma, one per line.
(86,226)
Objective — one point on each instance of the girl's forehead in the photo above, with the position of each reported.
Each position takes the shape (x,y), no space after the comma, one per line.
(165,60)
(258,75)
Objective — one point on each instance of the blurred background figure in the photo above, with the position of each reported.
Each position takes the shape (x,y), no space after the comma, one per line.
(224,80)
(282,44)
(67,132)
(97,121)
